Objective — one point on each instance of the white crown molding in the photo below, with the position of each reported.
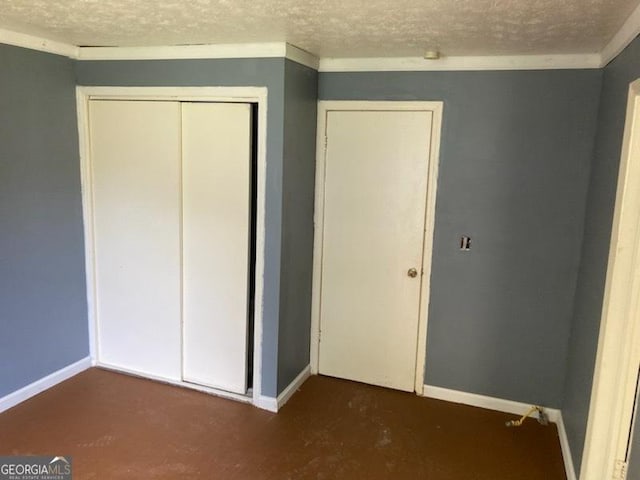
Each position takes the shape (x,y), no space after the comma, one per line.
(231,50)
(32,42)
(628,32)
(240,50)
(302,57)
(413,64)
(625,35)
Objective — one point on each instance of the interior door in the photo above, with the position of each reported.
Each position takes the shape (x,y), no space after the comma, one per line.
(374,217)
(216,186)
(135,154)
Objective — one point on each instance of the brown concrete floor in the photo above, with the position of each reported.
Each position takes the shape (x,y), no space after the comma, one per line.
(121,427)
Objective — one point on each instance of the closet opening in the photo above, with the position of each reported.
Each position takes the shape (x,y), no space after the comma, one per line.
(173,182)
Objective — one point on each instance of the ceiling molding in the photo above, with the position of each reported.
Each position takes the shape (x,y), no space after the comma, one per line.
(628,32)
(240,50)
(625,35)
(32,42)
(517,62)
(302,57)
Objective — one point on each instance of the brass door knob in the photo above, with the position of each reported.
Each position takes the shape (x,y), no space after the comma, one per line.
(413,273)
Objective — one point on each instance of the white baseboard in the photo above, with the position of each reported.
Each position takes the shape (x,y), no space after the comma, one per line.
(293,386)
(482,401)
(506,406)
(274,404)
(566,450)
(266,403)
(43,384)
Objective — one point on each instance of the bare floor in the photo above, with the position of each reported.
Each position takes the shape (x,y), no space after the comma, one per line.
(120,427)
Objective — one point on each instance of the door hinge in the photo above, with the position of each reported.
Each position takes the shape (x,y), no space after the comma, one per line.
(326,141)
(620,470)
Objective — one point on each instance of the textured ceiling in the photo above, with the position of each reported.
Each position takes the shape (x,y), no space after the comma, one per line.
(331,28)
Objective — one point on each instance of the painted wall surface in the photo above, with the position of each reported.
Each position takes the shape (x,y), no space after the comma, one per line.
(514,167)
(300,116)
(595,251)
(267,72)
(43,309)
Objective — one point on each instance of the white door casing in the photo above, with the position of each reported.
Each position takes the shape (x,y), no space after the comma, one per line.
(375,201)
(633,449)
(618,357)
(216,190)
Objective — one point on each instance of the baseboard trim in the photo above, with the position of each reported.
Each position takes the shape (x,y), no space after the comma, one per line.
(267,403)
(506,406)
(566,450)
(294,386)
(483,401)
(274,404)
(43,384)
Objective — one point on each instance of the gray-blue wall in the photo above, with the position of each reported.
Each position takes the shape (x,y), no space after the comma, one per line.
(515,159)
(597,232)
(300,116)
(514,167)
(43,311)
(269,72)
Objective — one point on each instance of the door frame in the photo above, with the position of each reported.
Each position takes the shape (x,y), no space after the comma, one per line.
(324,107)
(618,357)
(257,95)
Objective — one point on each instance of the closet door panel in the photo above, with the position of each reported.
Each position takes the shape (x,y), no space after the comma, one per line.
(216,162)
(135,152)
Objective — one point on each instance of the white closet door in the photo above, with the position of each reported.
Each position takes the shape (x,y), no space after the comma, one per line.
(216,159)
(135,152)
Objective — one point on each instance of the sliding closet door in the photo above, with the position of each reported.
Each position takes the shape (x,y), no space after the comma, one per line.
(135,153)
(216,162)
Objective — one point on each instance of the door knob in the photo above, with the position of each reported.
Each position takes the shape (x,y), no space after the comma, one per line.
(413,273)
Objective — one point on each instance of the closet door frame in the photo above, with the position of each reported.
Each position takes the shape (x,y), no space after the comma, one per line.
(255,95)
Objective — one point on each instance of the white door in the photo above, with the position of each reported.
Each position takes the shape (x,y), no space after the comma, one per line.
(376,171)
(171,218)
(135,153)
(615,378)
(216,185)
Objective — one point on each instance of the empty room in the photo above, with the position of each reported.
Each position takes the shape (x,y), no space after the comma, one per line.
(291,239)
